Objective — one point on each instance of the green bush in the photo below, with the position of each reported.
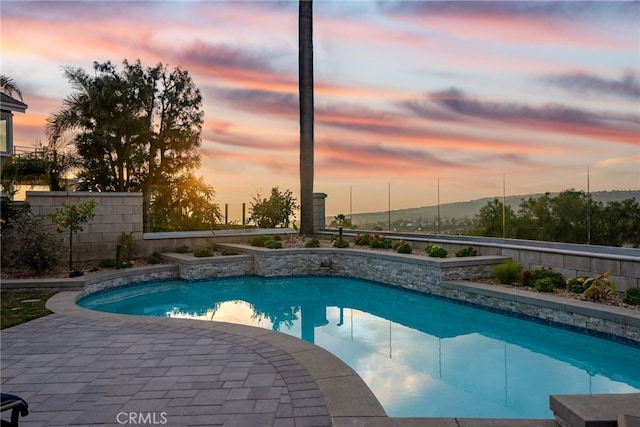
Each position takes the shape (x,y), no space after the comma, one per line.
(154,260)
(508,272)
(363,239)
(402,247)
(436,251)
(228,252)
(531,277)
(465,252)
(207,251)
(546,284)
(129,246)
(182,249)
(266,241)
(338,242)
(273,244)
(578,284)
(632,296)
(107,263)
(76,273)
(35,245)
(381,242)
(313,243)
(601,289)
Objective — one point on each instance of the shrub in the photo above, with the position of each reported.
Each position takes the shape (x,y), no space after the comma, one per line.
(465,252)
(508,272)
(183,249)
(127,263)
(228,252)
(154,260)
(402,247)
(381,242)
(632,296)
(313,243)
(266,241)
(363,239)
(578,284)
(546,284)
(533,276)
(273,244)
(107,263)
(207,251)
(10,212)
(338,242)
(76,273)
(35,246)
(601,289)
(129,246)
(436,251)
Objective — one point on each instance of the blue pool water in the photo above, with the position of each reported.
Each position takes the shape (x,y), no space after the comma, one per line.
(421,356)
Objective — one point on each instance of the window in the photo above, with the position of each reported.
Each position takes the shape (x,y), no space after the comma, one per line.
(4,143)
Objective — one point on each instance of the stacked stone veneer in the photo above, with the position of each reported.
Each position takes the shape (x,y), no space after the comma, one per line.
(610,321)
(407,271)
(194,268)
(112,279)
(440,277)
(115,214)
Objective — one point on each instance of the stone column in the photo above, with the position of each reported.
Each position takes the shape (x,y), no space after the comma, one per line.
(319,211)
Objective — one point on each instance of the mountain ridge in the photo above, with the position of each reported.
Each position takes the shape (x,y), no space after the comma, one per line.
(470,208)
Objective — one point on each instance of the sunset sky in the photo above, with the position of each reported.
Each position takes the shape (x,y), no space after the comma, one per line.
(406,93)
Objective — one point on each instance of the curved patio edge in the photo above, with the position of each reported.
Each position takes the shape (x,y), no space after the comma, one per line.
(349,400)
(345,393)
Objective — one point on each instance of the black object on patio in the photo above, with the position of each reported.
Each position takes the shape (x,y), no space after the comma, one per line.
(17,405)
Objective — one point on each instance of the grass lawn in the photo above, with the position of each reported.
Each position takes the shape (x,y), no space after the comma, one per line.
(19,306)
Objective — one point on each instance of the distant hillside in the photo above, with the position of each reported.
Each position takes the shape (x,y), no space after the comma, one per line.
(466,211)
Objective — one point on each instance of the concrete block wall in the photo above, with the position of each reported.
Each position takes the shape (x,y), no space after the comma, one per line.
(624,271)
(115,215)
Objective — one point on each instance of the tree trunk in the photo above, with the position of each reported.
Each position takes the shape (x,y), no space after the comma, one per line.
(305,87)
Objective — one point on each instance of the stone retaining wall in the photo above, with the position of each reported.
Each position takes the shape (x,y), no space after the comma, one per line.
(609,321)
(570,260)
(115,278)
(440,277)
(194,268)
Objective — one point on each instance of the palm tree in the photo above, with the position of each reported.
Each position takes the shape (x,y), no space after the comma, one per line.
(305,87)
(9,87)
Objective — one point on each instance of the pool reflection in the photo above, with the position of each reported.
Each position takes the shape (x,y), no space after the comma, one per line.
(420,356)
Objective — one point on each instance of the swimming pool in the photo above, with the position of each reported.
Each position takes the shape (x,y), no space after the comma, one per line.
(421,356)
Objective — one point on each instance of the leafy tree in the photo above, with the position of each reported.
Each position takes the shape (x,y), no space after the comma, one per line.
(341,220)
(305,82)
(569,217)
(185,205)
(489,220)
(534,218)
(139,129)
(9,87)
(617,223)
(47,165)
(276,211)
(72,217)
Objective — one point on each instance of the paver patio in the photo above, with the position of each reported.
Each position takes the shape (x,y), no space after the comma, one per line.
(81,367)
